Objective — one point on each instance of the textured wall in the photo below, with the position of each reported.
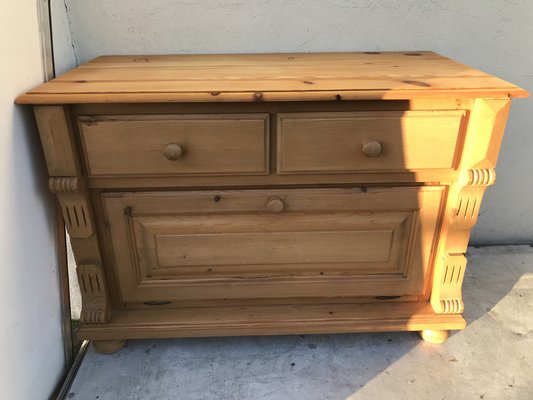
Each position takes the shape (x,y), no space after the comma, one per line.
(31,345)
(64,56)
(495,36)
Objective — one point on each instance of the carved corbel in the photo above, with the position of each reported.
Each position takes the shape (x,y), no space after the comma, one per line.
(475,182)
(73,200)
(94,296)
(447,294)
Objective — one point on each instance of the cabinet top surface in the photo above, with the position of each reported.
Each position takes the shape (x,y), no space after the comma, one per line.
(269,77)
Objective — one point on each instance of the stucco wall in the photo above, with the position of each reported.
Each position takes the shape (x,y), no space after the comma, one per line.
(31,346)
(495,36)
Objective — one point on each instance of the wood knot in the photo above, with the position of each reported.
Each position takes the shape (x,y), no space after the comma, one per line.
(258,96)
(417,83)
(214,93)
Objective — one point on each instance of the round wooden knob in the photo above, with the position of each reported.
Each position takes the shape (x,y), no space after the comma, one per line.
(173,151)
(275,204)
(371,148)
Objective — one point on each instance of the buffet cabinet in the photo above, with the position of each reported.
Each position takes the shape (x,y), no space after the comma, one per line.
(270,194)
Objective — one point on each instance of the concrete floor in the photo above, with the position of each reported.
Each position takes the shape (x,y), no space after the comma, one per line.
(491,359)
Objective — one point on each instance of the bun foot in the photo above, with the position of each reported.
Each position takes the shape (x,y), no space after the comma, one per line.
(108,346)
(434,336)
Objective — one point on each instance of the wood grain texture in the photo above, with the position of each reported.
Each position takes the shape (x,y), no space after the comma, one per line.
(480,152)
(269,77)
(269,320)
(333,142)
(56,140)
(186,246)
(59,143)
(271,194)
(208,144)
(369,177)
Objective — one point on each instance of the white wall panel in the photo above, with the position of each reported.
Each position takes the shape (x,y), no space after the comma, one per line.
(31,346)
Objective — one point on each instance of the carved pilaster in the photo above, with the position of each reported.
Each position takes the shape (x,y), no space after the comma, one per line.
(93,292)
(465,198)
(66,182)
(483,136)
(74,205)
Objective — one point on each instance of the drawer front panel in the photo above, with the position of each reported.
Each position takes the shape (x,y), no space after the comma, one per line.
(201,144)
(272,248)
(272,243)
(346,142)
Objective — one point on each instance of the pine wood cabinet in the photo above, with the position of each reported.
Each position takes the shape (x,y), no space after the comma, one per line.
(270,194)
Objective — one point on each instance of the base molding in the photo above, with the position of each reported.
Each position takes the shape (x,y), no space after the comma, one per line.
(271,320)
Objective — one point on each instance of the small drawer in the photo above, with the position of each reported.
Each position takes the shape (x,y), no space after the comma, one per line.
(200,144)
(344,142)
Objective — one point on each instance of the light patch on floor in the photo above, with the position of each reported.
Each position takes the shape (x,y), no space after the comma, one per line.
(491,359)
(74,286)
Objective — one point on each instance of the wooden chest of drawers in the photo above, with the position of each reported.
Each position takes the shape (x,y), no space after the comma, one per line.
(270,194)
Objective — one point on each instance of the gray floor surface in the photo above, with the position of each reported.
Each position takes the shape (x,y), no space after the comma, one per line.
(491,359)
